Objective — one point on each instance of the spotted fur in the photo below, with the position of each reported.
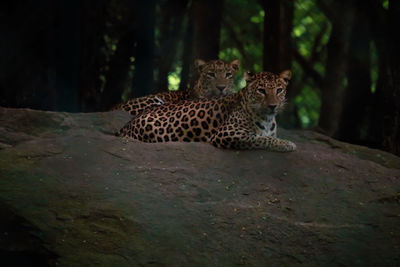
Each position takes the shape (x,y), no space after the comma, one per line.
(245,120)
(215,79)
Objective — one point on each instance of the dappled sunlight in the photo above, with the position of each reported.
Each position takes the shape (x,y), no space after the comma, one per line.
(308,104)
(174,79)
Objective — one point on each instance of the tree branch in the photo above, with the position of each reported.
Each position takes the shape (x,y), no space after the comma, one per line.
(327,7)
(315,54)
(234,38)
(305,64)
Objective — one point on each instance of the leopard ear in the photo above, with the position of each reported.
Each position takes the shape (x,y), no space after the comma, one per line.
(199,64)
(247,75)
(235,64)
(286,75)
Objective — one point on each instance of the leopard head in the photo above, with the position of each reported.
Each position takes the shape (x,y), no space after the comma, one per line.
(265,92)
(215,78)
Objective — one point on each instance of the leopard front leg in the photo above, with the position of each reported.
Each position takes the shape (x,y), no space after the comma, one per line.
(270,143)
(243,140)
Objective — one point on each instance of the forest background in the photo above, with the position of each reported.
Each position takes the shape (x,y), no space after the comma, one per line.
(86,56)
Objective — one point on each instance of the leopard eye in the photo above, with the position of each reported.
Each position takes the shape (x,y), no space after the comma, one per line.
(228,75)
(261,91)
(279,90)
(211,75)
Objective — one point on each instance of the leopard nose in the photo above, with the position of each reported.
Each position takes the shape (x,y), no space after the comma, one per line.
(221,87)
(272,107)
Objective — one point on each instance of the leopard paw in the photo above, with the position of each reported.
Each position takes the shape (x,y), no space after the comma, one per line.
(290,146)
(285,146)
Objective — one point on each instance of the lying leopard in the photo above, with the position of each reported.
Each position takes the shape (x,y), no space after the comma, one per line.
(215,79)
(245,120)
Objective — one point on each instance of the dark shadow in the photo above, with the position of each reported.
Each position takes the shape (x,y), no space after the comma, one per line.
(19,242)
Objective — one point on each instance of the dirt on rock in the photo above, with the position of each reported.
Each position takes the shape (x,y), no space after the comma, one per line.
(73,194)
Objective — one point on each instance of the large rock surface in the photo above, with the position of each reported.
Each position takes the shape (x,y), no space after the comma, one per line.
(72,194)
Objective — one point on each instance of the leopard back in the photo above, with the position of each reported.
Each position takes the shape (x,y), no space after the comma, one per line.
(215,79)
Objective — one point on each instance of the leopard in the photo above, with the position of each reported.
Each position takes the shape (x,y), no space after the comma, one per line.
(245,120)
(215,78)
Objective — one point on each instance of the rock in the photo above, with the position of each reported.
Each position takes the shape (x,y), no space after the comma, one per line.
(72,194)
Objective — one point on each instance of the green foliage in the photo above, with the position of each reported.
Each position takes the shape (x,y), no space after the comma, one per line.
(259,18)
(174,78)
(308,104)
(311,31)
(243,21)
(385,4)
(241,34)
(374,67)
(242,38)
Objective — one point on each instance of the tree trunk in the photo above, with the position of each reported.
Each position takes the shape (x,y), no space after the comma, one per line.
(278,48)
(358,91)
(278,25)
(91,59)
(187,55)
(391,82)
(379,16)
(385,120)
(271,37)
(117,75)
(207,15)
(144,61)
(68,55)
(170,30)
(336,65)
(27,77)
(286,27)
